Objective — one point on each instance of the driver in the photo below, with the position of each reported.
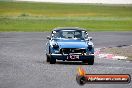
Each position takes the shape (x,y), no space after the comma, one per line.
(70,34)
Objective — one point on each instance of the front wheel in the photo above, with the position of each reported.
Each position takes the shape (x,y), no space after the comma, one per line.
(91,61)
(52,60)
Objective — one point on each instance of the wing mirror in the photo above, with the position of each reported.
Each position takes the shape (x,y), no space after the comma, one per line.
(89,39)
(48,37)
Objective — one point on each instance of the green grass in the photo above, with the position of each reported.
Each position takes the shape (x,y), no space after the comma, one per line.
(27,16)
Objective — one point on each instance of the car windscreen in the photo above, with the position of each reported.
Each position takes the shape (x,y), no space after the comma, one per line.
(69,34)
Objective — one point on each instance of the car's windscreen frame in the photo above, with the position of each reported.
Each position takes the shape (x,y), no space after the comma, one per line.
(56,34)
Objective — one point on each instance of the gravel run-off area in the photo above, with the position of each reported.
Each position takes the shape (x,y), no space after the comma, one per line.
(120,50)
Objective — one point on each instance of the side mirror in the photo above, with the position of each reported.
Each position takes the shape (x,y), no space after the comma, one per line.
(48,37)
(89,38)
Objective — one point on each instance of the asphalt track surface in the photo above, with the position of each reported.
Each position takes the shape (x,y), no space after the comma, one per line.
(23,63)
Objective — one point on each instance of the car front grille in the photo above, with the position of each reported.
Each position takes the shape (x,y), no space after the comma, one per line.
(72,50)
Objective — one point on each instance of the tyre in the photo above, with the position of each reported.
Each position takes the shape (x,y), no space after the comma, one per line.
(90,61)
(52,60)
(85,61)
(47,58)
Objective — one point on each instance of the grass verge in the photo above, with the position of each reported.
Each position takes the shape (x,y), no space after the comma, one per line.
(29,16)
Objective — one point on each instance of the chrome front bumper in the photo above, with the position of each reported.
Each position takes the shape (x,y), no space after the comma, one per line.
(67,56)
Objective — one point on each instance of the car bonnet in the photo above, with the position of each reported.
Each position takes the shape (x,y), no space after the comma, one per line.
(72,43)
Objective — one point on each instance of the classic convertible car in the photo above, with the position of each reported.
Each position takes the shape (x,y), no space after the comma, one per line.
(69,44)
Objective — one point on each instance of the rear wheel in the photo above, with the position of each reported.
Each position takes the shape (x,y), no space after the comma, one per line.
(52,60)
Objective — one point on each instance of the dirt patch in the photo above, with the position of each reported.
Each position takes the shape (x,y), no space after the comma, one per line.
(123,51)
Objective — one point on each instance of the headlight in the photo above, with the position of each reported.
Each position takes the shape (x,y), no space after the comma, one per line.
(90,44)
(90,47)
(56,51)
(55,46)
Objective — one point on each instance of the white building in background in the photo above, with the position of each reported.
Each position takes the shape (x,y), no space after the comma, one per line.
(85,1)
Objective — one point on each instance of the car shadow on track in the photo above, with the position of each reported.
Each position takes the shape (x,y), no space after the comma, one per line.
(66,63)
(70,63)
